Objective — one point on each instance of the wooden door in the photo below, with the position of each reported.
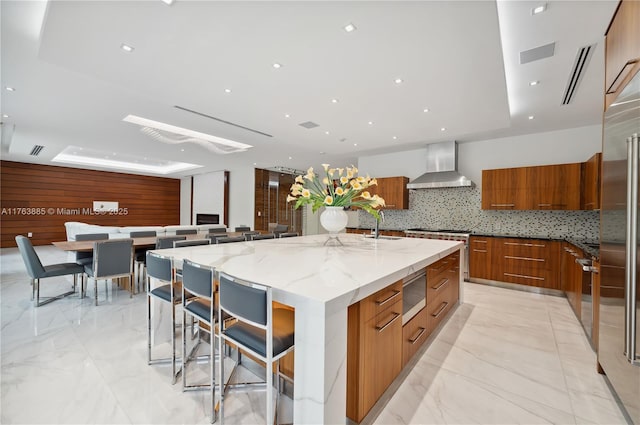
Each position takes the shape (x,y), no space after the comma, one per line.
(480,257)
(503,189)
(592,171)
(553,187)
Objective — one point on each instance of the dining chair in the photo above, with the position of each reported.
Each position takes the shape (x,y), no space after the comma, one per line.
(230,239)
(140,255)
(258,237)
(243,229)
(218,230)
(86,257)
(191,242)
(266,333)
(37,271)
(248,235)
(162,285)
(280,228)
(288,235)
(167,241)
(186,232)
(112,259)
(198,301)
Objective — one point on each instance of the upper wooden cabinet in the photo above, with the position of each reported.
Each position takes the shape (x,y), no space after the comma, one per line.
(394,192)
(591,172)
(547,187)
(622,49)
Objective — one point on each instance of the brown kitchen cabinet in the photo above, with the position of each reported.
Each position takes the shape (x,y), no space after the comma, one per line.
(480,257)
(503,189)
(545,187)
(622,47)
(553,187)
(592,172)
(414,334)
(374,348)
(571,276)
(394,192)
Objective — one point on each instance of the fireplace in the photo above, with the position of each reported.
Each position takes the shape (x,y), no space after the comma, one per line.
(207,218)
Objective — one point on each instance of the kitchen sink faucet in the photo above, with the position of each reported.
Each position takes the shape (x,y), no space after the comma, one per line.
(376,232)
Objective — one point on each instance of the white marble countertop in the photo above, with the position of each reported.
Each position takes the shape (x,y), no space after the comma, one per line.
(320,281)
(305,267)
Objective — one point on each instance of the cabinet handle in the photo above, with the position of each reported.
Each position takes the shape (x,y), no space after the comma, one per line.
(389,298)
(503,205)
(417,337)
(393,319)
(441,309)
(524,258)
(551,205)
(479,250)
(479,241)
(524,276)
(525,244)
(442,283)
(626,66)
(568,249)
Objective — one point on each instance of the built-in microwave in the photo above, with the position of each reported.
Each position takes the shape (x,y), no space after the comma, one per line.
(414,294)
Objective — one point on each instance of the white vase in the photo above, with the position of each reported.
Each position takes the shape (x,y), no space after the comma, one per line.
(334,219)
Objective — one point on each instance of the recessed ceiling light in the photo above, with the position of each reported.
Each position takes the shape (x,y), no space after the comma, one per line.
(227,90)
(398,80)
(126,48)
(167,2)
(534,83)
(322,153)
(287,115)
(531,117)
(355,144)
(255,163)
(326,132)
(290,158)
(10,88)
(277,65)
(443,129)
(181,150)
(395,138)
(539,9)
(370,122)
(425,110)
(350,27)
(5,116)
(334,100)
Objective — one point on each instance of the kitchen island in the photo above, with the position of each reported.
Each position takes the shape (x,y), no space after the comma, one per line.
(321,281)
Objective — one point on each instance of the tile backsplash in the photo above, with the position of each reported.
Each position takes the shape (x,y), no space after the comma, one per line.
(460,209)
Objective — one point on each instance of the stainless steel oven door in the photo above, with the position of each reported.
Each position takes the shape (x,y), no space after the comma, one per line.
(414,294)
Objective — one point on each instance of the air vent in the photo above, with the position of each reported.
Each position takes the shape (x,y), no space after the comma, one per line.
(578,70)
(202,114)
(308,124)
(36,150)
(537,53)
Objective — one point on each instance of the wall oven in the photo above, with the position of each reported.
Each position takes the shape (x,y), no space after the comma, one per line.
(414,294)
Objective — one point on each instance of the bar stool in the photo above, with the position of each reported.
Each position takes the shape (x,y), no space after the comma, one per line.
(161,268)
(198,302)
(140,256)
(260,330)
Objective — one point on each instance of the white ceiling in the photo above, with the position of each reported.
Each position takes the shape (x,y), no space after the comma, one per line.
(74,84)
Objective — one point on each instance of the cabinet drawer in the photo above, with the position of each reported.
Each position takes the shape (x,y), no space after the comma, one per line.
(380,301)
(531,277)
(438,309)
(440,266)
(414,334)
(530,248)
(442,282)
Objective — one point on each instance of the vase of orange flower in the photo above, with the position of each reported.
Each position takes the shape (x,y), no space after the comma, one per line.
(337,189)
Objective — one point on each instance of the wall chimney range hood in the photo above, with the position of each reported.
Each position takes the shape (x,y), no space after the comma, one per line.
(442,168)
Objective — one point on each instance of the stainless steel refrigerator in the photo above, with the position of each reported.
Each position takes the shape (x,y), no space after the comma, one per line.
(618,349)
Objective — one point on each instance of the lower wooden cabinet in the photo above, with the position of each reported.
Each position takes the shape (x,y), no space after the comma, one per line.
(374,348)
(414,334)
(531,262)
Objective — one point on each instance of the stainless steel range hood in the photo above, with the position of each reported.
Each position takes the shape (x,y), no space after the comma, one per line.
(442,168)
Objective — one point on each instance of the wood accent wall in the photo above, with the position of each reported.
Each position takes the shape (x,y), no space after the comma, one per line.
(41,198)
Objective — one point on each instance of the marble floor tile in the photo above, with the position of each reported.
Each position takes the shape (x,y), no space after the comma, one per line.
(502,357)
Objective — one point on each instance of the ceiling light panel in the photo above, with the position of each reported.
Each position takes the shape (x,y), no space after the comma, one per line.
(127,48)
(539,9)
(171,134)
(79,156)
(350,27)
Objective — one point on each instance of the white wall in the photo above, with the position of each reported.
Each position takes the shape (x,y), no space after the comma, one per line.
(208,194)
(555,147)
(241,196)
(185,200)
